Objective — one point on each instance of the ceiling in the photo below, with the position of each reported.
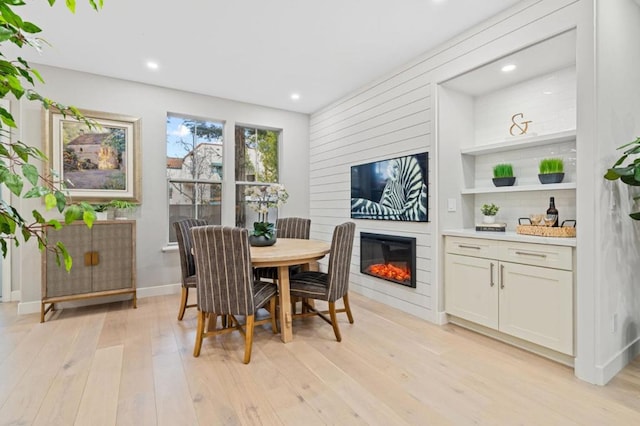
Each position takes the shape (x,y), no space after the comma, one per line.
(536,60)
(257,51)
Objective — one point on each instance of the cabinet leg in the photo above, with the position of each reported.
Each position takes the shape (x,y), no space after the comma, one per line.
(135,301)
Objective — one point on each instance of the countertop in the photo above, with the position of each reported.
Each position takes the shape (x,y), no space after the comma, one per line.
(510,236)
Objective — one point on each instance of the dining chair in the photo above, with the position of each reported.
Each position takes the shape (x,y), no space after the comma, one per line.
(287,227)
(187,266)
(226,286)
(328,286)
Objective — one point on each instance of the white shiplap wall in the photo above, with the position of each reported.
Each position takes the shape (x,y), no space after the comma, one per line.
(390,119)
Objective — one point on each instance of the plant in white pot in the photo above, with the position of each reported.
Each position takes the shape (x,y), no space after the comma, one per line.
(122,208)
(489,212)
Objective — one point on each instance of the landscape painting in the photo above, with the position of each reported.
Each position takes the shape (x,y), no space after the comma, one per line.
(98,163)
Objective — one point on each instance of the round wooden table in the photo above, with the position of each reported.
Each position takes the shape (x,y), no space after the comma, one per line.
(284,253)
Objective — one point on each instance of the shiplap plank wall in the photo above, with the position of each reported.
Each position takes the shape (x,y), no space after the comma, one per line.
(392,117)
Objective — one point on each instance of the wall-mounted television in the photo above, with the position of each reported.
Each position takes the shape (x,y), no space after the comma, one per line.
(392,189)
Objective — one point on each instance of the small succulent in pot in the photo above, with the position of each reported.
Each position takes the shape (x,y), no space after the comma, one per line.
(489,209)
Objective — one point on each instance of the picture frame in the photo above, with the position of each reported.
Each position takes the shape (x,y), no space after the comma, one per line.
(391,189)
(94,164)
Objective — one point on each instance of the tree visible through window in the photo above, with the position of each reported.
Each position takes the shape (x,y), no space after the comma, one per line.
(194,170)
(256,154)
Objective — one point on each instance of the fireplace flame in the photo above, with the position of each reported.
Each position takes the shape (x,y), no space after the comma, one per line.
(390,271)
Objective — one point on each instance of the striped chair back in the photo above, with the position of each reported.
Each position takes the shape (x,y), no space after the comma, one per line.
(223,270)
(183,235)
(340,261)
(293,227)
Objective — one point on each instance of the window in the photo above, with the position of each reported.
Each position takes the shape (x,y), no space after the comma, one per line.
(194,170)
(256,153)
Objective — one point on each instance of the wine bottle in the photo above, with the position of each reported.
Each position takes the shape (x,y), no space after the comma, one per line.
(552,210)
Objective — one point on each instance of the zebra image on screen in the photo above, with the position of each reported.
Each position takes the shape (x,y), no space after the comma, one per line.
(404,196)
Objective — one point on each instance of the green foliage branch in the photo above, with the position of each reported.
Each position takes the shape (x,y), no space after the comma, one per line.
(17,170)
(629,174)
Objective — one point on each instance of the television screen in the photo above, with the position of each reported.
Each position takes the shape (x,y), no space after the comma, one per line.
(393,189)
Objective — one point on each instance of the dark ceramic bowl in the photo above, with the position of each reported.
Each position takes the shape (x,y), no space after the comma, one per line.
(504,181)
(551,178)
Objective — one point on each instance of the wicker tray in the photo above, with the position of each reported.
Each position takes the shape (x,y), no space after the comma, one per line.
(546,231)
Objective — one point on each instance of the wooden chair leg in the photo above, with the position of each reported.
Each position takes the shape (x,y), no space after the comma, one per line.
(199,334)
(248,338)
(347,307)
(183,302)
(274,315)
(334,320)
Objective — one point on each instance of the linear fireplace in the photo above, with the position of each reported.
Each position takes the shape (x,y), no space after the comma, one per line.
(388,257)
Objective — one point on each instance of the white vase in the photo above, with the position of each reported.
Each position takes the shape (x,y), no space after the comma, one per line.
(489,219)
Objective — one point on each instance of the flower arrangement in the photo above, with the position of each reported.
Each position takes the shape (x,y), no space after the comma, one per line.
(261,198)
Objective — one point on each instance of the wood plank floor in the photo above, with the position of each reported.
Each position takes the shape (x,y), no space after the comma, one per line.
(110,364)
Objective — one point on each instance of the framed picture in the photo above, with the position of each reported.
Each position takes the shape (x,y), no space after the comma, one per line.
(94,164)
(391,189)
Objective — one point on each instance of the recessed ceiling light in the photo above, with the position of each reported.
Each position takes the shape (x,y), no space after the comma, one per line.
(152,65)
(547,92)
(295,96)
(508,68)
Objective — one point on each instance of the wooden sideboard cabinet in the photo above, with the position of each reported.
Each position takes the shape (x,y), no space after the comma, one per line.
(520,289)
(104,263)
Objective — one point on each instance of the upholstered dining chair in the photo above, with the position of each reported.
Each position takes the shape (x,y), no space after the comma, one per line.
(287,227)
(187,266)
(226,286)
(328,286)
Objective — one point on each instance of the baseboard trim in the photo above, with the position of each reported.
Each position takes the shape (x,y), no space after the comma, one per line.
(616,363)
(161,290)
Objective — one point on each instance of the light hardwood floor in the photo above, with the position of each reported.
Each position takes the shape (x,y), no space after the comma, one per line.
(110,364)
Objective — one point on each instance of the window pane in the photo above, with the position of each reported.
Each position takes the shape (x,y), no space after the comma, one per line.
(188,200)
(194,170)
(194,149)
(256,154)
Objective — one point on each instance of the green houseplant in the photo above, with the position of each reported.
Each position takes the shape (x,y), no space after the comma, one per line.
(629,174)
(551,170)
(17,171)
(489,211)
(121,208)
(503,175)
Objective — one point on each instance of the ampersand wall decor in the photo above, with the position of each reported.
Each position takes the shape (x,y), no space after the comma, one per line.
(523,126)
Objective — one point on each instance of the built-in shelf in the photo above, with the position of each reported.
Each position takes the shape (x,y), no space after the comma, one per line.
(520,143)
(520,188)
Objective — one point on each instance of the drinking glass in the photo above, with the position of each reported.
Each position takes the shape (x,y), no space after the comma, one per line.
(535,219)
(550,219)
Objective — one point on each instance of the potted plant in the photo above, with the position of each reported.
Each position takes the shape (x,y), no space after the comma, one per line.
(630,173)
(489,212)
(551,170)
(101,211)
(261,198)
(121,208)
(503,175)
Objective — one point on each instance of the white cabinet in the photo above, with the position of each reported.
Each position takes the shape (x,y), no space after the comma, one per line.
(519,289)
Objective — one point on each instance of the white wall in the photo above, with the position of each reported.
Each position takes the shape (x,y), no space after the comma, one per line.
(388,118)
(617,244)
(154,267)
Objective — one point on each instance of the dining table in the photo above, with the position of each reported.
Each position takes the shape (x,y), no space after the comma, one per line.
(284,253)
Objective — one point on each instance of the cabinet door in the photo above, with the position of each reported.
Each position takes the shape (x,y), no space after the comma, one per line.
(536,304)
(471,290)
(59,282)
(114,244)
